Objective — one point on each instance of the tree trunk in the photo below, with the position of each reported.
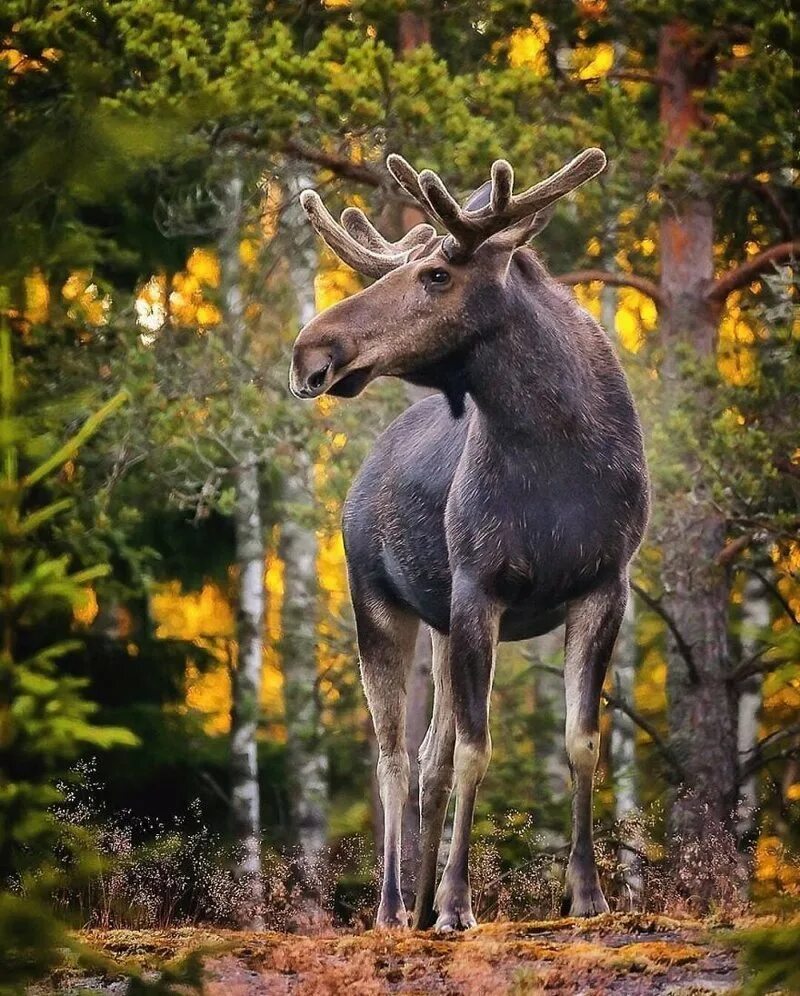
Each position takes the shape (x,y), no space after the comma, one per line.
(623,755)
(413,30)
(548,738)
(755,618)
(701,707)
(245,796)
(418,693)
(308,761)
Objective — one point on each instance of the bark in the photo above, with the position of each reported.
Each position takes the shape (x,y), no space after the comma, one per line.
(413,30)
(755,618)
(245,796)
(418,691)
(701,706)
(623,755)
(548,737)
(308,761)
(249,538)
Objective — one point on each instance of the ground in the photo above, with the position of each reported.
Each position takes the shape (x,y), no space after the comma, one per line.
(612,955)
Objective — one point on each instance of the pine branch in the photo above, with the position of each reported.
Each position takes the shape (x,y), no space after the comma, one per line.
(742,275)
(630,76)
(683,647)
(339,165)
(642,284)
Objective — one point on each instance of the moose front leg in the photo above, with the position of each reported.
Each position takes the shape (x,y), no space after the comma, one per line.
(386,638)
(474,623)
(592,626)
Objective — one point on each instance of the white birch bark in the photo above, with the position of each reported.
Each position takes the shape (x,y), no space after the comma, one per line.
(550,705)
(418,692)
(623,755)
(755,618)
(245,796)
(308,762)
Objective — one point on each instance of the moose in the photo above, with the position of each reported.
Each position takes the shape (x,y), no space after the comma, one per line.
(507,502)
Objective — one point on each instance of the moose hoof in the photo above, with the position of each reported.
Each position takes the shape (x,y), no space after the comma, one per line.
(452,920)
(584,904)
(391,916)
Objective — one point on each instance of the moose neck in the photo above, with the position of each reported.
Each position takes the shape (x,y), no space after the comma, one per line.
(529,373)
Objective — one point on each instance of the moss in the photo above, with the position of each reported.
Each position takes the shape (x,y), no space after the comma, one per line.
(555,955)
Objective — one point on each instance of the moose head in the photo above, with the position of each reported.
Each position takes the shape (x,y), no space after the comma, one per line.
(422,307)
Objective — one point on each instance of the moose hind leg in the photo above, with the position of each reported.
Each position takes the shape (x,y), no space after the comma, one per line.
(435,782)
(386,638)
(592,626)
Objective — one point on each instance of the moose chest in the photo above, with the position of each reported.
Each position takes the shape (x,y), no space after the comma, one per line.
(531,529)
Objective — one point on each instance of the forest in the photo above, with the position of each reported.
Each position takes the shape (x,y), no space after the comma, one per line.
(184,740)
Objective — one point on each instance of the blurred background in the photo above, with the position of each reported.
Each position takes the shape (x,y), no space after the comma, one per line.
(182,730)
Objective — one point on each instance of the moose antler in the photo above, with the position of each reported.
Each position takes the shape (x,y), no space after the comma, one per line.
(357,242)
(468,229)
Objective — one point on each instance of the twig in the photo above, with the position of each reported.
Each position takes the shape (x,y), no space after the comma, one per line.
(774,591)
(658,741)
(683,647)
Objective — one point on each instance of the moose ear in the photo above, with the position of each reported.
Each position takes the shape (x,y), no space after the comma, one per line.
(525,230)
(479,198)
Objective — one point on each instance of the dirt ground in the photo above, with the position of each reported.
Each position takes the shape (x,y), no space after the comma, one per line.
(613,955)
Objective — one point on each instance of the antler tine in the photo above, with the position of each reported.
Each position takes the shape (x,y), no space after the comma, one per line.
(583,167)
(362,258)
(502,185)
(443,204)
(468,229)
(409,180)
(361,228)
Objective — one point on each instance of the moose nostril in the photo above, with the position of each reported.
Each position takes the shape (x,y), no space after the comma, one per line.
(317,379)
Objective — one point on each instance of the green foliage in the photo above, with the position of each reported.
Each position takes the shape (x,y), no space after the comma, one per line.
(31,942)
(45,721)
(769,956)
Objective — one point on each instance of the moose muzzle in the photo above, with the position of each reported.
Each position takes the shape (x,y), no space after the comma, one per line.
(312,371)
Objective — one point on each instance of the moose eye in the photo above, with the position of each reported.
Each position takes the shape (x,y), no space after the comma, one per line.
(438,277)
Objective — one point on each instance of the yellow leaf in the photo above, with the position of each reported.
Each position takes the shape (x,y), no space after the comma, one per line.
(37,298)
(204,266)
(526,47)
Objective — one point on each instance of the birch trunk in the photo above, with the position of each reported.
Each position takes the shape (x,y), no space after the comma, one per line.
(249,534)
(308,762)
(549,735)
(755,618)
(623,755)
(418,691)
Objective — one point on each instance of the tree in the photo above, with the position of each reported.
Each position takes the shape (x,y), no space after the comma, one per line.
(298,550)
